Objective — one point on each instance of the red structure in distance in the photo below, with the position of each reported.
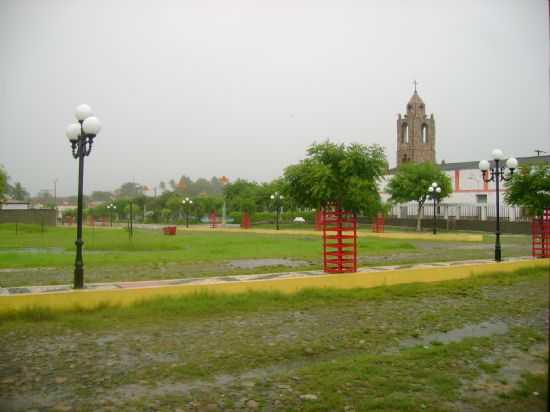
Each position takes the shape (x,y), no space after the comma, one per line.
(319,220)
(245,222)
(213,220)
(540,235)
(378,225)
(339,241)
(169,230)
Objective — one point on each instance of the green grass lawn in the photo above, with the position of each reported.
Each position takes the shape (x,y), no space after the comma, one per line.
(34,257)
(33,248)
(390,348)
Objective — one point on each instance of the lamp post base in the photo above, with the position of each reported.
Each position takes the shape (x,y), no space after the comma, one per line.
(498,254)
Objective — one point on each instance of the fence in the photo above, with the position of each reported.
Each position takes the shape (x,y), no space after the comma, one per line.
(461,212)
(45,217)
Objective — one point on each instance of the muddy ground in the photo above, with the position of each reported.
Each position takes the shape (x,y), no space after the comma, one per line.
(479,346)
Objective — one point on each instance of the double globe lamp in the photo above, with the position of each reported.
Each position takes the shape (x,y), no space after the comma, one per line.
(499,172)
(435,191)
(81,137)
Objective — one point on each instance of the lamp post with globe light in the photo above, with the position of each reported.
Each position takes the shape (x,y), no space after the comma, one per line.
(277,200)
(186,206)
(497,174)
(434,191)
(81,135)
(111,207)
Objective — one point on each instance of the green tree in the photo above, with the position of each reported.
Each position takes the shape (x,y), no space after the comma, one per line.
(101,196)
(45,198)
(411,182)
(173,203)
(530,188)
(18,192)
(338,174)
(129,190)
(242,195)
(3,182)
(162,187)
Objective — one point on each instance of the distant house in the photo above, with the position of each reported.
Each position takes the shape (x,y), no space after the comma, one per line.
(11,204)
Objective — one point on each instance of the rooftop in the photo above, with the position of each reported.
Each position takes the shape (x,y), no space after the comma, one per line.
(474,164)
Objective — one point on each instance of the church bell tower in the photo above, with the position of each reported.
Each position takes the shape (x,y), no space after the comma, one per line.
(415,133)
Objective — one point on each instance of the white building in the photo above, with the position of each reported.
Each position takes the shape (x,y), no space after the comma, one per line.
(11,204)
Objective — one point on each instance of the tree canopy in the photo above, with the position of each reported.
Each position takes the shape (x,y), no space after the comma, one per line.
(345,175)
(3,182)
(411,182)
(530,188)
(17,191)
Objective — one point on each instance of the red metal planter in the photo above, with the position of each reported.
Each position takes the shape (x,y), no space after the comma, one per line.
(213,220)
(319,220)
(540,235)
(339,241)
(245,223)
(378,225)
(169,230)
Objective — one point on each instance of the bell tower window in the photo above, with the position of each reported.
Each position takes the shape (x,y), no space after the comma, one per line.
(424,133)
(405,133)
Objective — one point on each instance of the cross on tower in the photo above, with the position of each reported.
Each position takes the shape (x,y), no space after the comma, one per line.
(415,83)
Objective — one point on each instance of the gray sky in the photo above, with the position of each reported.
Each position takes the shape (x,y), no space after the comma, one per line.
(242,88)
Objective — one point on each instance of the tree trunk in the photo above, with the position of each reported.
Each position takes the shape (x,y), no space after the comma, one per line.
(419,215)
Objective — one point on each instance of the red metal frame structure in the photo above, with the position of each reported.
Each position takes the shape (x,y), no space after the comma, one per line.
(378,225)
(540,235)
(339,241)
(213,219)
(319,220)
(169,230)
(245,223)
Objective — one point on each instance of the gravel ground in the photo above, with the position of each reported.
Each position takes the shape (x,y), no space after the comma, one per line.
(263,360)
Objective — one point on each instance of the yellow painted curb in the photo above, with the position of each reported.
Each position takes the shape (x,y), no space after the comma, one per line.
(457,237)
(90,299)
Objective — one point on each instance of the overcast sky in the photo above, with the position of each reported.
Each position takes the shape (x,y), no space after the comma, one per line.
(242,88)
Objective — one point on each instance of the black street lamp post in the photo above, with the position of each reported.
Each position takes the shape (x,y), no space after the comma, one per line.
(111,208)
(278,201)
(497,174)
(81,135)
(434,191)
(131,220)
(186,206)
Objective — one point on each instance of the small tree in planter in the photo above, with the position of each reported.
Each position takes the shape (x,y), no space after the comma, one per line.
(411,183)
(342,179)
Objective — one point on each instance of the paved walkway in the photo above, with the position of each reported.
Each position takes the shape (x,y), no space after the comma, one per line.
(235,279)
(364,233)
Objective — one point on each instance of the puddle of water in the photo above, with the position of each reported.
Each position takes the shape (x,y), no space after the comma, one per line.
(255,263)
(15,291)
(456,335)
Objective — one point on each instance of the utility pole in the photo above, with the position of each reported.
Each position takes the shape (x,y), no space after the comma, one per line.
(55,198)
(538,152)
